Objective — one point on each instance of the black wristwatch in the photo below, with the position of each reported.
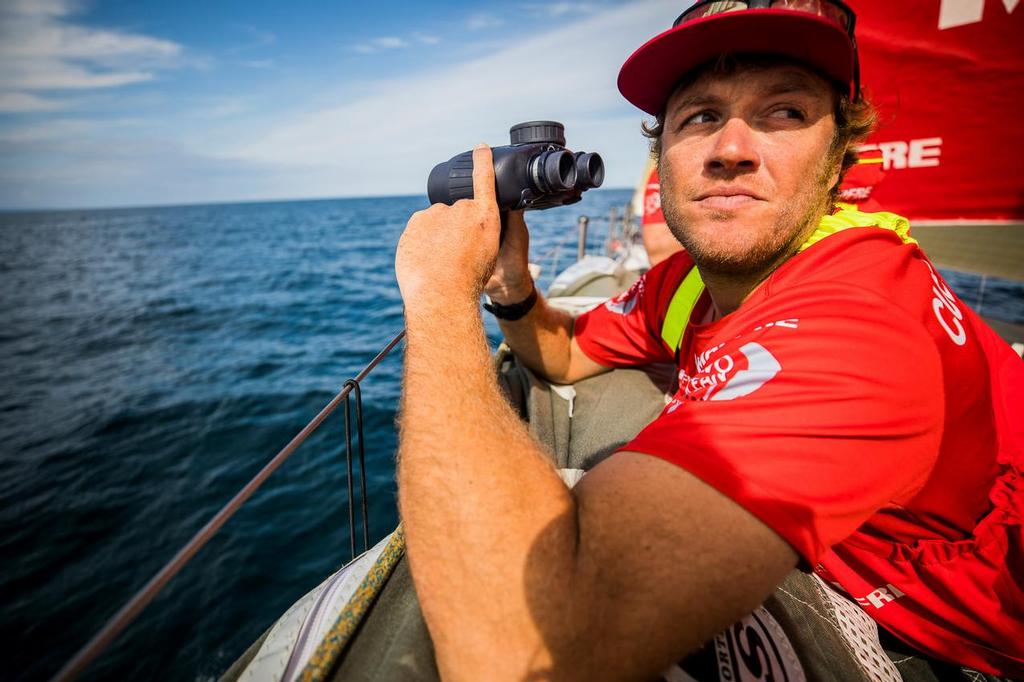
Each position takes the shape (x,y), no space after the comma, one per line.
(513,311)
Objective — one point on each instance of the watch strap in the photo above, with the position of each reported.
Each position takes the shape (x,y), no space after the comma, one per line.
(513,311)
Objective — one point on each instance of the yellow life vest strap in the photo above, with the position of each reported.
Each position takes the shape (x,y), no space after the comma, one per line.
(680,308)
(848,216)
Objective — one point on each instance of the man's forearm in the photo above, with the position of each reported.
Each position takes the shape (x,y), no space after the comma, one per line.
(480,503)
(542,340)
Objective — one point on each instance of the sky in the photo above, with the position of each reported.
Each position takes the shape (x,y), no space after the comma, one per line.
(124,102)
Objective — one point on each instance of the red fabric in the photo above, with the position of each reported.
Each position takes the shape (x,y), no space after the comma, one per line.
(944,76)
(652,200)
(865,414)
(862,179)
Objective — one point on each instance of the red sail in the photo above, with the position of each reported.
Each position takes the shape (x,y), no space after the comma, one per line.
(947,77)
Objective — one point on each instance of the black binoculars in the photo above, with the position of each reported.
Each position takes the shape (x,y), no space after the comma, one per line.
(535,172)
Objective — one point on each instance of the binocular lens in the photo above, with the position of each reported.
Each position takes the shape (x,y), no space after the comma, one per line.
(559,170)
(589,170)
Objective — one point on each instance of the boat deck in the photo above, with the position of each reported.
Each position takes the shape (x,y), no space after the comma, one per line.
(996,250)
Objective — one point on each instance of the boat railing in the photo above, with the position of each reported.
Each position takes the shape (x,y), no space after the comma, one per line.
(621,229)
(127,613)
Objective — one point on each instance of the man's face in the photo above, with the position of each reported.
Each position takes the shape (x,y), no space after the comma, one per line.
(747,165)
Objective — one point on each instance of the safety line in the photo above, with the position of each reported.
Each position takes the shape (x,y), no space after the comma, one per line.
(102,639)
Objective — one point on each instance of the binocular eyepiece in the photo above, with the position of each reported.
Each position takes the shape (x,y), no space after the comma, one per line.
(534,172)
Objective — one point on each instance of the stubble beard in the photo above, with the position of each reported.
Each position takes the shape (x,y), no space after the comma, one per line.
(792,226)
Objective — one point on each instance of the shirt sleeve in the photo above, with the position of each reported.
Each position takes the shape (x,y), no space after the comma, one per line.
(625,331)
(829,409)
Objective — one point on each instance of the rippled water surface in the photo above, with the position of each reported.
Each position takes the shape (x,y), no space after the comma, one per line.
(152,360)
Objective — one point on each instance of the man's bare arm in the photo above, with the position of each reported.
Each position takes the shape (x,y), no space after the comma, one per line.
(542,339)
(517,576)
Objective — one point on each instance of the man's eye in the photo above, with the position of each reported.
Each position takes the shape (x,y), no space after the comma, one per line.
(787,112)
(705,116)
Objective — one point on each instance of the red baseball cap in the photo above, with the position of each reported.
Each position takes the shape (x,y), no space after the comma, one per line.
(801,30)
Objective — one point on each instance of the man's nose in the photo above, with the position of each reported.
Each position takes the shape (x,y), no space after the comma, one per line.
(734,150)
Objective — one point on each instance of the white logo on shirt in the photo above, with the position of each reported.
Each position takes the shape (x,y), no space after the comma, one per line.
(652,203)
(722,378)
(945,309)
(624,303)
(761,367)
(621,307)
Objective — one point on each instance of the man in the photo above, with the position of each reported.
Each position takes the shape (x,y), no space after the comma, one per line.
(838,408)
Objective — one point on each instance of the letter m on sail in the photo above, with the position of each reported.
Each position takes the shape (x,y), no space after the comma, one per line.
(953,13)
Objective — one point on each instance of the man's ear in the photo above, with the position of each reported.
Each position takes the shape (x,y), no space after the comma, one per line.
(836,172)
(834,180)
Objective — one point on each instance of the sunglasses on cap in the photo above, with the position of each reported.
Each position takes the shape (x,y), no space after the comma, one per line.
(834,11)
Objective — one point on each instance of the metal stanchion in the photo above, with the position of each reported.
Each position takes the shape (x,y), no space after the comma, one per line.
(581,246)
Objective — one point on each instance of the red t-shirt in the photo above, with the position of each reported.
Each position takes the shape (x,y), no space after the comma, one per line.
(863,412)
(652,200)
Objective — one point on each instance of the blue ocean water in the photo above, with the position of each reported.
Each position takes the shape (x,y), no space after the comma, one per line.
(152,361)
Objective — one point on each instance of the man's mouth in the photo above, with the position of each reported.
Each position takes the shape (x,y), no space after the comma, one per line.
(727,198)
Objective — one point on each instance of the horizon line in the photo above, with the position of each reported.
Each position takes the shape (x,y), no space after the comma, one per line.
(228,202)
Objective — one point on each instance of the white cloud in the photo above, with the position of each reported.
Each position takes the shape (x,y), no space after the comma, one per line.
(480,21)
(257,38)
(393,43)
(258,63)
(381,43)
(558,9)
(60,75)
(99,166)
(62,130)
(389,42)
(221,108)
(41,48)
(41,7)
(386,141)
(379,136)
(425,39)
(14,102)
(48,38)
